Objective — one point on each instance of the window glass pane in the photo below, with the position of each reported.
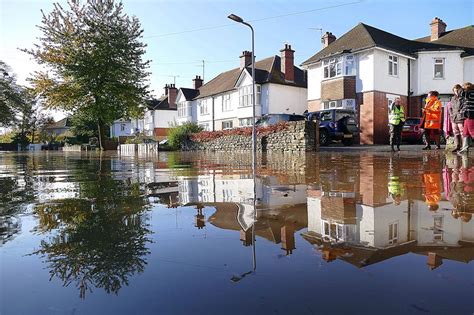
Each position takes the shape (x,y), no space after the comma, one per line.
(390,68)
(395,69)
(326,72)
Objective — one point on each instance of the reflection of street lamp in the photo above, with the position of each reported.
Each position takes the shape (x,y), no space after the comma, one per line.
(238,19)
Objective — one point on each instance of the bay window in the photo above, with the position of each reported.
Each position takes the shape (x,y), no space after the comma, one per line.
(182,109)
(245,95)
(332,67)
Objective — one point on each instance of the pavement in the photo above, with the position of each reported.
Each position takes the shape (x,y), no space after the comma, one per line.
(385,148)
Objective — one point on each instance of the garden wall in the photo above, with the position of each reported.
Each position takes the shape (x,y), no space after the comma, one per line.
(298,136)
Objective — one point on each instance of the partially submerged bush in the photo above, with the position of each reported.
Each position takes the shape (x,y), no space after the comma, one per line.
(177,135)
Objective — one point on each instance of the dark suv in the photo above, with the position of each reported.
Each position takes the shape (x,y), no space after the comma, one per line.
(336,125)
(272,119)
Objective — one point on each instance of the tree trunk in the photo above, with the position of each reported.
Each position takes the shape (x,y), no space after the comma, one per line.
(99,129)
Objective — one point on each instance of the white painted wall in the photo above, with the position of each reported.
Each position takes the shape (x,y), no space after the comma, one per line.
(365,71)
(205,118)
(116,128)
(314,215)
(382,80)
(165,118)
(286,99)
(468,69)
(315,76)
(453,72)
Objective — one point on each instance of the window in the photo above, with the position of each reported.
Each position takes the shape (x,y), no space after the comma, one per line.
(245,95)
(122,127)
(439,68)
(332,67)
(245,122)
(226,105)
(438,228)
(203,108)
(204,126)
(393,65)
(228,124)
(349,66)
(393,233)
(182,109)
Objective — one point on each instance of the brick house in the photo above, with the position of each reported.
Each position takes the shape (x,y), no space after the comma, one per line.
(367,68)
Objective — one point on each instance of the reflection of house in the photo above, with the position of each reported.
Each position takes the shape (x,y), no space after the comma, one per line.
(59,127)
(281,210)
(363,234)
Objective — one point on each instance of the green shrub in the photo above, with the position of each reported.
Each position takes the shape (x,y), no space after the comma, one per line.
(178,134)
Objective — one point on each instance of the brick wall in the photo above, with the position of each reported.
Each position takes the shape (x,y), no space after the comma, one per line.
(416,103)
(314,105)
(373,112)
(338,88)
(338,209)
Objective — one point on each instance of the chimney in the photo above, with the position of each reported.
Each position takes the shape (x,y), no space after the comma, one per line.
(172,93)
(287,63)
(166,89)
(438,27)
(245,59)
(197,82)
(327,39)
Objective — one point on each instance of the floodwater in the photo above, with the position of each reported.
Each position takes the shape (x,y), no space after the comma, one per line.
(335,233)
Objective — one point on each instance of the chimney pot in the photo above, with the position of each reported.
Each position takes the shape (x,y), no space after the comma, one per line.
(197,82)
(327,39)
(438,27)
(245,59)
(287,63)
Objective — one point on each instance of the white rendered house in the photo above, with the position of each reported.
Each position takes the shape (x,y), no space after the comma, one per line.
(225,102)
(367,68)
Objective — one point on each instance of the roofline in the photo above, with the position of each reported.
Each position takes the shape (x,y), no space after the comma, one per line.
(394,51)
(427,51)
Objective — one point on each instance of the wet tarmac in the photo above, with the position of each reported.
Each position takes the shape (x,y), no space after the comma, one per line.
(195,233)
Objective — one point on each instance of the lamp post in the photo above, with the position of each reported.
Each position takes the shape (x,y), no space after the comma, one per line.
(238,19)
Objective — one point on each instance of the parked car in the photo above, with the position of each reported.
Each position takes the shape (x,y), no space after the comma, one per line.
(271,119)
(336,125)
(413,133)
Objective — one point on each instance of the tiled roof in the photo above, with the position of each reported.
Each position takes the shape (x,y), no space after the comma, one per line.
(266,71)
(461,37)
(364,36)
(63,123)
(189,94)
(159,104)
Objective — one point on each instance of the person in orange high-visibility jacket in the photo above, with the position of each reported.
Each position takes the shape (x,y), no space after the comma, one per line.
(432,183)
(432,120)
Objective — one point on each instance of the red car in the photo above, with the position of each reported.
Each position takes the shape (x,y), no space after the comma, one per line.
(412,133)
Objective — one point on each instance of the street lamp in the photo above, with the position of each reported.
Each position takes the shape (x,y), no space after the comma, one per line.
(238,19)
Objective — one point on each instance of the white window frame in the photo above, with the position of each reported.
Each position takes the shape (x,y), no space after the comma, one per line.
(122,127)
(438,62)
(182,109)
(438,224)
(205,126)
(332,64)
(245,122)
(393,65)
(227,124)
(226,103)
(393,233)
(349,65)
(203,108)
(245,95)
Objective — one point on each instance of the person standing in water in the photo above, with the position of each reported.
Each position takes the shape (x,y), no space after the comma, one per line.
(432,120)
(396,119)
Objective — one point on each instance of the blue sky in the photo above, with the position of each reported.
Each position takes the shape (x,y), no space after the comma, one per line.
(175,51)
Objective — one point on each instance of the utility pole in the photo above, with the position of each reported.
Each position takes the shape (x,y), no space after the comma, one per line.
(203,66)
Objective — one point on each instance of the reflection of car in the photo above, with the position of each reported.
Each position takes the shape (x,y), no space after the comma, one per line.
(412,133)
(272,119)
(336,124)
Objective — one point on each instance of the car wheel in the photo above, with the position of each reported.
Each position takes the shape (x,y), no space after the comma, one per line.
(324,137)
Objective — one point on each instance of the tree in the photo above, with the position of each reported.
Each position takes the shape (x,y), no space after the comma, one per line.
(93,56)
(10,96)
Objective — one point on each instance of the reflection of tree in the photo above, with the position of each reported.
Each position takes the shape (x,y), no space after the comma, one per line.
(100,238)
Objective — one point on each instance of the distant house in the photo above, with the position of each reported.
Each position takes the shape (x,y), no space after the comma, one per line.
(121,128)
(59,127)
(160,114)
(225,102)
(187,112)
(367,68)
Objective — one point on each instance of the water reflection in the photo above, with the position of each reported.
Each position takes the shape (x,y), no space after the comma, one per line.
(95,216)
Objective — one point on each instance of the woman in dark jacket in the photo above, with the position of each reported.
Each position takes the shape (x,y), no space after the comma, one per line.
(456,116)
